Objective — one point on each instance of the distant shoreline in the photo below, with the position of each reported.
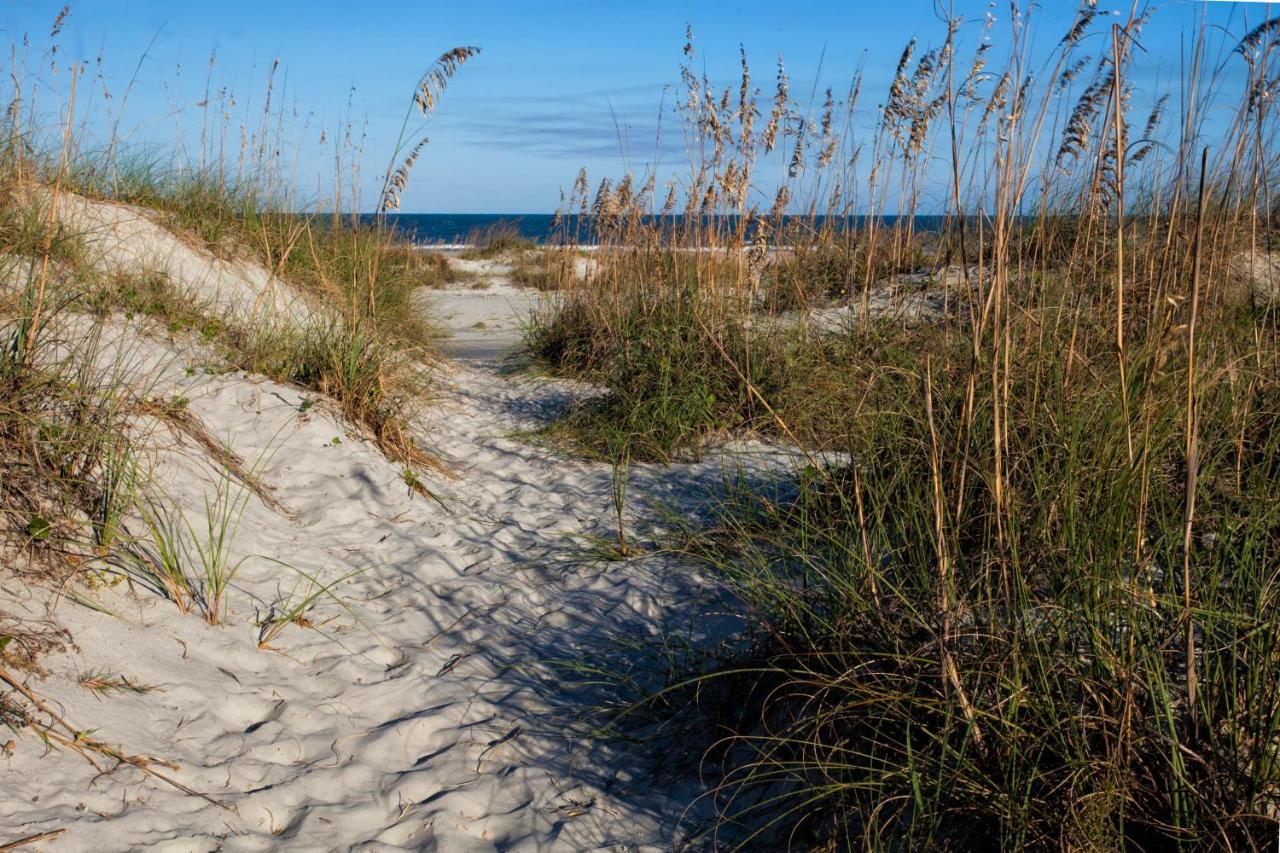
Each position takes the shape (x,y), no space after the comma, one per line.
(454,231)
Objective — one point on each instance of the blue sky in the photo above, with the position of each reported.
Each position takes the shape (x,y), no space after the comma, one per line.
(559,85)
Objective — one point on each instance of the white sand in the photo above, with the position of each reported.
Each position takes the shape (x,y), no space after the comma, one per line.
(122,239)
(484,324)
(428,715)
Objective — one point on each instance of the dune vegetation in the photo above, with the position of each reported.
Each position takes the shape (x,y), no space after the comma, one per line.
(1021,592)
(984,370)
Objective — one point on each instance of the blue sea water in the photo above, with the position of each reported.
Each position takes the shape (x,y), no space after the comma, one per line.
(463,228)
(460,228)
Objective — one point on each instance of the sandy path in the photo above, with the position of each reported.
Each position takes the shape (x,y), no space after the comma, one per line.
(484,324)
(431,714)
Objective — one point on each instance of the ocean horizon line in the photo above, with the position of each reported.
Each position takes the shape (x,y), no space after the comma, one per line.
(465,229)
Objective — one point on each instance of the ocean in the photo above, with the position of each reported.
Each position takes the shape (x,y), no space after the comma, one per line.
(460,229)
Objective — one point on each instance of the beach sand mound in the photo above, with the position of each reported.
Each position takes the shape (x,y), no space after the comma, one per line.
(125,240)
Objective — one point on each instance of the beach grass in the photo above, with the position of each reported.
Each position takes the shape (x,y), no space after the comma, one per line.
(1019,593)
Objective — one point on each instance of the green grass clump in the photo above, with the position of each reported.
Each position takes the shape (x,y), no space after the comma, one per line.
(188,563)
(668,387)
(65,449)
(684,366)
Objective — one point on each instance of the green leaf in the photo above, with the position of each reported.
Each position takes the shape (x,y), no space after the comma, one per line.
(39,528)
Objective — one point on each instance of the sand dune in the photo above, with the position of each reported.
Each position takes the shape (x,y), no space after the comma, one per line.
(120,239)
(427,710)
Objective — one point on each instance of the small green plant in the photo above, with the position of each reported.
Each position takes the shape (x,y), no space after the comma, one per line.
(295,608)
(118,484)
(39,529)
(190,564)
(621,478)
